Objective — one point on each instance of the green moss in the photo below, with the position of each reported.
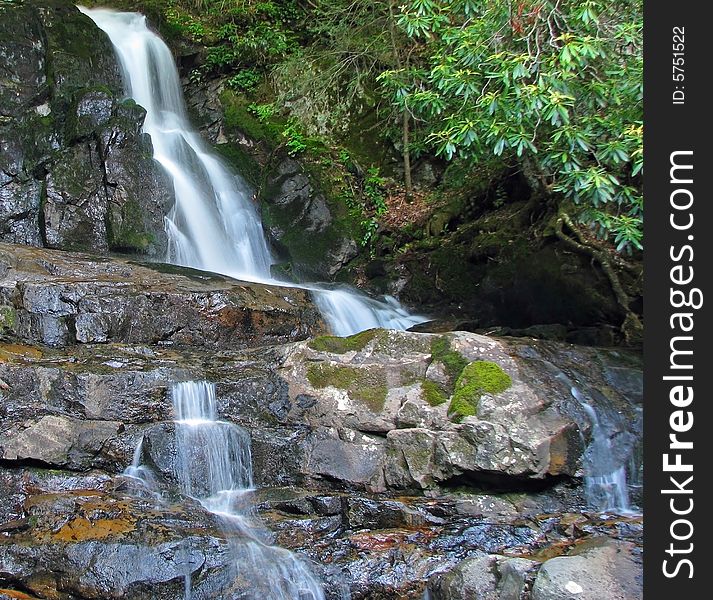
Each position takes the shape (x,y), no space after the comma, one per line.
(461,407)
(432,392)
(453,361)
(238,117)
(322,375)
(367,385)
(477,378)
(242,162)
(126,229)
(8,316)
(488,376)
(342,345)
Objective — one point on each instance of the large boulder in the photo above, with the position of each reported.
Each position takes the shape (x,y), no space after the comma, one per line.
(76,173)
(389,409)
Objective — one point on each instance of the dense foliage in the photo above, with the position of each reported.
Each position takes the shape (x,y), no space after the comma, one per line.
(554,86)
(557,84)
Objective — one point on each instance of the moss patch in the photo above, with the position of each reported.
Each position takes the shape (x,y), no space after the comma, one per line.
(453,361)
(342,345)
(126,229)
(242,162)
(8,316)
(432,393)
(238,117)
(366,385)
(476,379)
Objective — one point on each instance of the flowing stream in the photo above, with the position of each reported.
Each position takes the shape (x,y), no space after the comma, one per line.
(213,225)
(213,465)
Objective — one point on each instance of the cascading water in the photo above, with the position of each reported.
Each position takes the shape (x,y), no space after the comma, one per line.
(213,225)
(605,481)
(214,467)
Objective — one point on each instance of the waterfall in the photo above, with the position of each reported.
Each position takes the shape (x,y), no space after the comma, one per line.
(213,466)
(213,225)
(605,482)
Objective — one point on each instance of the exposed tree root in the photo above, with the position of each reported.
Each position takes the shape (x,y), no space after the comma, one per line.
(631,328)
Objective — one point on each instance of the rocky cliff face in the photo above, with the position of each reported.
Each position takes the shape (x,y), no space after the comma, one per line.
(61,299)
(76,173)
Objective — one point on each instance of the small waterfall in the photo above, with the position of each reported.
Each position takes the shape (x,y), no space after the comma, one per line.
(213,225)
(144,482)
(214,464)
(214,467)
(605,481)
(347,313)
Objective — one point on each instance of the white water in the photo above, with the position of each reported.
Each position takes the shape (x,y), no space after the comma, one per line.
(214,467)
(213,225)
(605,481)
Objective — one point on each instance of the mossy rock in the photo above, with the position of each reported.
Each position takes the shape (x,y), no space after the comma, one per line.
(237,117)
(477,378)
(453,361)
(8,316)
(242,162)
(368,385)
(342,345)
(127,229)
(432,393)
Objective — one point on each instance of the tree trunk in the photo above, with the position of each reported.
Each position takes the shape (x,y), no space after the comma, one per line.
(405,117)
(407,156)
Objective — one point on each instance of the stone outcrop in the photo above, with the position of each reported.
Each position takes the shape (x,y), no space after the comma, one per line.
(76,173)
(375,423)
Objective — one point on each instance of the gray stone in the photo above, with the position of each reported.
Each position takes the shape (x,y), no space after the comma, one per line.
(61,298)
(75,170)
(606,570)
(472,579)
(347,456)
(58,441)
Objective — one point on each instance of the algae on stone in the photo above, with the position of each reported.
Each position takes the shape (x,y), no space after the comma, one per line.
(432,393)
(453,361)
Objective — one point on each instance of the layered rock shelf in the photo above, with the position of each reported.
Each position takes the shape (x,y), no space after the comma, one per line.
(400,465)
(63,298)
(386,487)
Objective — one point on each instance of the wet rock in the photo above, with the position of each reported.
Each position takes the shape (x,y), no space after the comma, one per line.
(292,204)
(377,382)
(603,568)
(346,456)
(103,193)
(58,441)
(135,548)
(75,170)
(364,513)
(472,579)
(483,577)
(62,298)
